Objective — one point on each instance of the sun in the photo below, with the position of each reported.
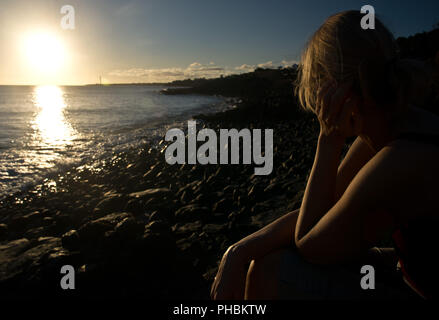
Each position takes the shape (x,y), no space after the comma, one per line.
(44,52)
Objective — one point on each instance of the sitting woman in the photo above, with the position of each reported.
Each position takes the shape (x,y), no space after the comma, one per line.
(385,186)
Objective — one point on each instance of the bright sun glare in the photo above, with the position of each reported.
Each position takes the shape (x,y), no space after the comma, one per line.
(44,52)
(50,123)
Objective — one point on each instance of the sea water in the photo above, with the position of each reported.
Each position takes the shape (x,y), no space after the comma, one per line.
(49,128)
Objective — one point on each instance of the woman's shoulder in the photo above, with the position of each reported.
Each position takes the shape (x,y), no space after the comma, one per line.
(412,149)
(403,164)
(404,175)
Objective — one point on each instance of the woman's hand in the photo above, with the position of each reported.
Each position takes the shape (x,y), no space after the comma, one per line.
(337,112)
(229,283)
(230,280)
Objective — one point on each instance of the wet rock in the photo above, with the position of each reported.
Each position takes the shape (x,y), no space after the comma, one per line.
(162,214)
(111,202)
(261,207)
(187,228)
(95,230)
(191,187)
(24,257)
(129,228)
(47,221)
(135,206)
(192,212)
(256,190)
(157,241)
(233,215)
(186,196)
(31,220)
(58,258)
(158,226)
(224,205)
(202,198)
(12,249)
(148,193)
(215,228)
(229,189)
(275,187)
(70,240)
(3,231)
(35,233)
(62,223)
(33,270)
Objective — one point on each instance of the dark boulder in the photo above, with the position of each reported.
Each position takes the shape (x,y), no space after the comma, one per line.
(70,240)
(192,212)
(3,231)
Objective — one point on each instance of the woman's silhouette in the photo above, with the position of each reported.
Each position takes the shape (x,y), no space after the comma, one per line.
(386,185)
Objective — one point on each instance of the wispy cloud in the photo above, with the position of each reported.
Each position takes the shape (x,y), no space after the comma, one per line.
(288,63)
(268,64)
(194,70)
(246,67)
(265,65)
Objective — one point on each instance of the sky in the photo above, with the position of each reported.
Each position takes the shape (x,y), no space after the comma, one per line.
(126,41)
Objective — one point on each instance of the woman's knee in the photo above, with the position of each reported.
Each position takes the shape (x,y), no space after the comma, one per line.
(263,276)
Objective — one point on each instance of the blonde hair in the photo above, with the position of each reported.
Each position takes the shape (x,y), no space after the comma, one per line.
(340,50)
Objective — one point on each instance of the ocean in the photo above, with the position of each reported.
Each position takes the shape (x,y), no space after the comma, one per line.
(45,129)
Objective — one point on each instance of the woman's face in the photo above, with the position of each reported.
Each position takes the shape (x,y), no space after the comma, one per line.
(364,110)
(357,118)
(343,97)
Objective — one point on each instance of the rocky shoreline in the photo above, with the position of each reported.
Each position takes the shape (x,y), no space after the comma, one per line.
(135,226)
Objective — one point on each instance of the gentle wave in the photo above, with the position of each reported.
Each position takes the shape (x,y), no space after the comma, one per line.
(47,129)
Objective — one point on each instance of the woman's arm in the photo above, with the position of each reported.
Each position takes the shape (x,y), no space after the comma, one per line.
(276,235)
(334,115)
(229,282)
(363,215)
(319,194)
(357,156)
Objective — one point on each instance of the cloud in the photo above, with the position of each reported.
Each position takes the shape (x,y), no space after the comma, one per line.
(268,64)
(198,67)
(246,67)
(192,71)
(288,63)
(148,75)
(195,65)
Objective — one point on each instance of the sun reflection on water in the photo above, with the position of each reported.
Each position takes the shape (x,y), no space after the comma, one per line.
(50,125)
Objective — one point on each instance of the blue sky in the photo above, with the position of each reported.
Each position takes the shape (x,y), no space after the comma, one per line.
(160,40)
